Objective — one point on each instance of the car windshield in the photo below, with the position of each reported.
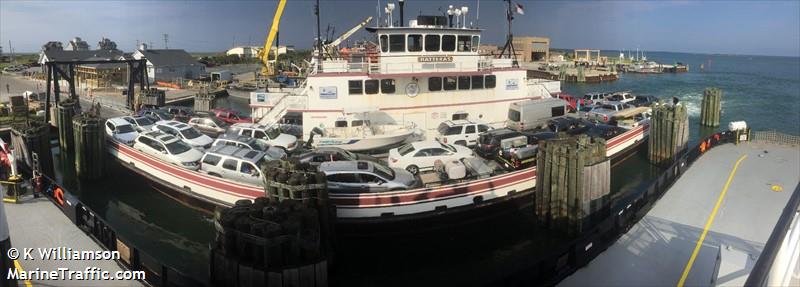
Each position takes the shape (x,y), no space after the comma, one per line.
(273,133)
(143,121)
(124,129)
(190,133)
(404,150)
(178,147)
(384,172)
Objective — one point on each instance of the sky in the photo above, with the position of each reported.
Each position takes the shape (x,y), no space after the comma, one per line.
(713,27)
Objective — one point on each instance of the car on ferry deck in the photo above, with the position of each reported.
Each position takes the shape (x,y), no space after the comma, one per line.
(605,113)
(141,123)
(210,126)
(179,113)
(156,114)
(461,132)
(644,101)
(595,98)
(489,142)
(622,97)
(269,134)
(365,177)
(120,130)
(230,116)
(235,163)
(185,132)
(250,143)
(422,155)
(168,148)
(325,154)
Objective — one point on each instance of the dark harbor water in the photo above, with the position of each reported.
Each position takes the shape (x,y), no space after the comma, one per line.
(764,91)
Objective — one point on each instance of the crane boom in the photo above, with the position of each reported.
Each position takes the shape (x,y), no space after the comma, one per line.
(276,20)
(347,34)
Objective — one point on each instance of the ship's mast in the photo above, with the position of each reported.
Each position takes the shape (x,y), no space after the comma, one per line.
(512,54)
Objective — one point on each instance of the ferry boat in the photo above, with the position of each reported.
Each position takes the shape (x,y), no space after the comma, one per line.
(422,74)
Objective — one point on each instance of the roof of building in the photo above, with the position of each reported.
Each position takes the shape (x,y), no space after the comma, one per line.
(63,55)
(169,57)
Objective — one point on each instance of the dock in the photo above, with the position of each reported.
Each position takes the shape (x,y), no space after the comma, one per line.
(37,223)
(719,214)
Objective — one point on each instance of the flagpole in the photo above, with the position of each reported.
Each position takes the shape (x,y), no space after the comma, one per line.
(478,15)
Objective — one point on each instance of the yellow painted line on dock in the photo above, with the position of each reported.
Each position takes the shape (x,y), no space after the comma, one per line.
(19,268)
(708,223)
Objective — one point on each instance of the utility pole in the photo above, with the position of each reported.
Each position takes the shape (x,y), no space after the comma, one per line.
(166,40)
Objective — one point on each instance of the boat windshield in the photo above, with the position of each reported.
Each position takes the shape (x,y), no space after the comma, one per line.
(384,172)
(403,150)
(273,133)
(177,147)
(190,133)
(143,121)
(123,129)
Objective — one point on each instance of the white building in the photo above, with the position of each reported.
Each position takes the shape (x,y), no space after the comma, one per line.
(170,64)
(76,44)
(244,51)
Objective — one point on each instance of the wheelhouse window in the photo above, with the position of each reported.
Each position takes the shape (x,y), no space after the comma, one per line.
(449,83)
(371,87)
(340,124)
(434,84)
(414,43)
(397,43)
(387,86)
(490,81)
(477,82)
(355,87)
(432,43)
(464,43)
(463,82)
(384,43)
(476,42)
(448,43)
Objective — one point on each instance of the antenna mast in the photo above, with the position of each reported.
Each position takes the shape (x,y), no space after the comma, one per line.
(512,54)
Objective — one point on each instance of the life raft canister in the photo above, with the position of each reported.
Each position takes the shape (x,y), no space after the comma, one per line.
(58,194)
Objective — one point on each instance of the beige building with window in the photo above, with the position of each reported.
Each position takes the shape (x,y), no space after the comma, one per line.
(532,49)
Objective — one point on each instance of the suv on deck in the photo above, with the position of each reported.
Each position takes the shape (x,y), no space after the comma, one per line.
(325,154)
(366,177)
(269,134)
(141,123)
(595,98)
(461,132)
(156,114)
(643,101)
(250,143)
(168,148)
(235,164)
(121,130)
(605,112)
(212,127)
(179,113)
(489,142)
(622,97)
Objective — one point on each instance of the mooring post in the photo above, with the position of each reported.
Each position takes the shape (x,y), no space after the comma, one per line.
(711,107)
(89,146)
(669,132)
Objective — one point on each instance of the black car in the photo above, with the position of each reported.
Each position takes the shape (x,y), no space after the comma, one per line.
(489,142)
(518,155)
(569,124)
(156,114)
(604,131)
(325,154)
(643,101)
(179,113)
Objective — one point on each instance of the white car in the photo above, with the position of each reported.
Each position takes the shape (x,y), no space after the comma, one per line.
(184,132)
(169,148)
(622,97)
(417,156)
(120,130)
(141,123)
(271,135)
(461,132)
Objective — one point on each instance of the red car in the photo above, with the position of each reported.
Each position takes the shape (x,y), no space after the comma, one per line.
(571,100)
(231,116)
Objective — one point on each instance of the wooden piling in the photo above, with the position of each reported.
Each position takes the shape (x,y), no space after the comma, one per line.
(32,144)
(669,133)
(89,146)
(204,101)
(711,107)
(64,112)
(572,172)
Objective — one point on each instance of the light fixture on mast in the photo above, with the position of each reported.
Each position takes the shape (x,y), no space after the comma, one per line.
(389,8)
(450,13)
(464,11)
(458,17)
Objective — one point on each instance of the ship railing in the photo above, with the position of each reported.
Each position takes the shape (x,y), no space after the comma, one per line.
(776,138)
(341,66)
(101,232)
(775,264)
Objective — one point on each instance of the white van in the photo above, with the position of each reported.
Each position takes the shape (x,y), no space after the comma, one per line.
(532,114)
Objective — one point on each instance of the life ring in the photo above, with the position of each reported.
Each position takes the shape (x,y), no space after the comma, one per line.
(59,195)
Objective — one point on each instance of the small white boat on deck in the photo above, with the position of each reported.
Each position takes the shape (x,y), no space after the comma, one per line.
(362,134)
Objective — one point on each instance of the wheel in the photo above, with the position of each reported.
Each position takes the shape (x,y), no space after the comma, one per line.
(461,143)
(413,169)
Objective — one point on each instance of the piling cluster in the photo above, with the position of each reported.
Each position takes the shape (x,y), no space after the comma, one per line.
(204,101)
(89,145)
(711,107)
(34,137)
(669,133)
(65,111)
(282,239)
(573,180)
(153,97)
